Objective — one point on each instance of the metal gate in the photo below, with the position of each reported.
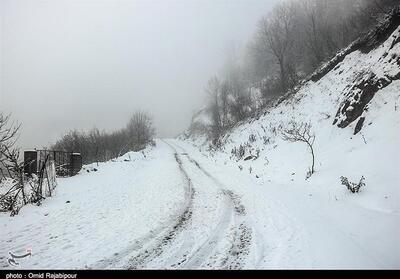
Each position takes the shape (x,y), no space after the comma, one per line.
(66,163)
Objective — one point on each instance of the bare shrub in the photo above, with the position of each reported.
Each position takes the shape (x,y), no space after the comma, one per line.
(239,152)
(252,138)
(301,132)
(351,186)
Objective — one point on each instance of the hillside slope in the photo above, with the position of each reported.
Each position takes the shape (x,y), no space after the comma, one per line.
(354,113)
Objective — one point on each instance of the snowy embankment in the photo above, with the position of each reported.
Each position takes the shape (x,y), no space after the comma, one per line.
(337,228)
(94,215)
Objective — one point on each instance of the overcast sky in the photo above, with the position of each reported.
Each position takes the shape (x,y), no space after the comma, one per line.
(69,64)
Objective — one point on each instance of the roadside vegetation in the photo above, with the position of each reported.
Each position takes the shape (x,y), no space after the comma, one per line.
(101,146)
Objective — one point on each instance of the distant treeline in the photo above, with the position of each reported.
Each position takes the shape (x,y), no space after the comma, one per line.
(100,146)
(290,42)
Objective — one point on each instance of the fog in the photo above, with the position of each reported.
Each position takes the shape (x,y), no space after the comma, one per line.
(91,63)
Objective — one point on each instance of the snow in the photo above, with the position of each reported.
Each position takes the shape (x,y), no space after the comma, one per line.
(180,205)
(107,210)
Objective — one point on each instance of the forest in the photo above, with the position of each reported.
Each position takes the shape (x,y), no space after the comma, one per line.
(288,44)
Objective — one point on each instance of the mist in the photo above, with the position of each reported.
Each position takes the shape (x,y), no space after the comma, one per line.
(83,64)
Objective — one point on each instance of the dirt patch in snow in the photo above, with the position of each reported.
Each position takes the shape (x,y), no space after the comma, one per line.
(240,248)
(238,207)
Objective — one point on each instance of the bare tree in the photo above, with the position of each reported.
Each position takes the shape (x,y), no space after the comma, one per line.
(314,18)
(240,106)
(8,131)
(214,106)
(8,154)
(301,132)
(140,130)
(9,165)
(235,98)
(224,103)
(276,32)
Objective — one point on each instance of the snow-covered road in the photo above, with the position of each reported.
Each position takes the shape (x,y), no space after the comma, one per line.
(101,219)
(209,232)
(173,206)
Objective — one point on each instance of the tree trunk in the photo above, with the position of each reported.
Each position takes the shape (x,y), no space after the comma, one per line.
(283,73)
(313,157)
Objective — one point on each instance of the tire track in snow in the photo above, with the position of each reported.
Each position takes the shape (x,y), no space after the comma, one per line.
(140,260)
(152,245)
(184,255)
(241,233)
(157,246)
